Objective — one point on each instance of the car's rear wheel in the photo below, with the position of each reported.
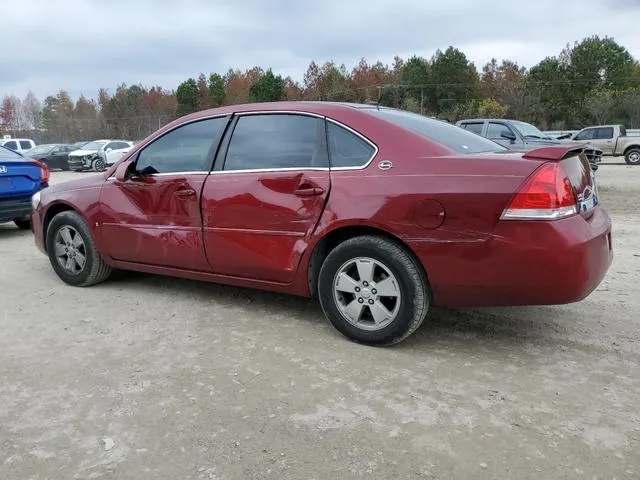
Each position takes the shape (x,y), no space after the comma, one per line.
(373,291)
(23,223)
(99,165)
(72,251)
(632,157)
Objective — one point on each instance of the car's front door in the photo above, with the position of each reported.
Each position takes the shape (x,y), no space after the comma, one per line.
(501,133)
(153,217)
(603,139)
(266,195)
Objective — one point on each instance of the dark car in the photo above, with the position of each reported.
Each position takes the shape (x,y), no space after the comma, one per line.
(20,179)
(520,136)
(380,213)
(53,155)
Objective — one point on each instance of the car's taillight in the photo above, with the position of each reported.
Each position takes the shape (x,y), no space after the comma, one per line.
(46,174)
(546,195)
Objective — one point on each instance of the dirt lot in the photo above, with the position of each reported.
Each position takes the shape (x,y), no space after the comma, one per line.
(151,377)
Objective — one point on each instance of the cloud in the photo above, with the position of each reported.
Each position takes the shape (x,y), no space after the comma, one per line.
(82,45)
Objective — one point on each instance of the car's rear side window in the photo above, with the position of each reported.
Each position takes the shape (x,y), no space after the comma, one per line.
(275,141)
(13,145)
(185,149)
(451,136)
(346,149)
(25,145)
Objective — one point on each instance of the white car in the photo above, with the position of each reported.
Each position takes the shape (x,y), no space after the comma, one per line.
(93,155)
(112,156)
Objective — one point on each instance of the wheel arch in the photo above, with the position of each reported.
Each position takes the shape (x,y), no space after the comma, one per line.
(51,212)
(631,147)
(335,237)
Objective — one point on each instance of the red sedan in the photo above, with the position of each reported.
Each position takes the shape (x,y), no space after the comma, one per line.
(378,212)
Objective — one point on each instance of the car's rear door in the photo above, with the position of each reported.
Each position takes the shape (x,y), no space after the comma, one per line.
(154,216)
(266,195)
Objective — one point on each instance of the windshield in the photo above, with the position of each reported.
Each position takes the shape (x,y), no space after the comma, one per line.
(40,149)
(528,130)
(93,146)
(451,136)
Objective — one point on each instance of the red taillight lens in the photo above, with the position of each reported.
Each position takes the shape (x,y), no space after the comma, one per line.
(546,195)
(46,173)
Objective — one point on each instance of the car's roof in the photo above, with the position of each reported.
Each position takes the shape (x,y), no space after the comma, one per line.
(318,107)
(489,119)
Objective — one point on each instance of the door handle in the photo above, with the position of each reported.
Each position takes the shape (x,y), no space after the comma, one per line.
(309,191)
(184,192)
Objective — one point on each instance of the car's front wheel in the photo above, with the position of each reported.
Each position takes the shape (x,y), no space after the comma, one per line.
(373,291)
(99,165)
(632,157)
(72,251)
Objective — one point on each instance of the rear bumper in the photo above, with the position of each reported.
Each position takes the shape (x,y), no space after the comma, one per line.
(522,263)
(15,208)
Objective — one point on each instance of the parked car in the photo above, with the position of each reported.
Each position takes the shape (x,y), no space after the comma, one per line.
(612,140)
(53,155)
(20,178)
(112,156)
(380,213)
(18,144)
(92,156)
(517,135)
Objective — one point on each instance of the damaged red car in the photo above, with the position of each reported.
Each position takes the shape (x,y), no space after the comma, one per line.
(378,212)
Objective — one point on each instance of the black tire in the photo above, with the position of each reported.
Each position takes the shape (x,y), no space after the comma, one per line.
(632,157)
(411,279)
(23,224)
(99,165)
(95,270)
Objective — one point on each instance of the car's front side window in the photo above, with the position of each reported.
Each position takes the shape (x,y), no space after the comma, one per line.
(276,141)
(586,134)
(184,149)
(498,131)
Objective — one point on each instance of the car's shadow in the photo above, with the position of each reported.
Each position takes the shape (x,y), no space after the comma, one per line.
(500,326)
(9,230)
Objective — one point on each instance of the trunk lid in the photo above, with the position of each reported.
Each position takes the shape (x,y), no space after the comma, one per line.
(19,177)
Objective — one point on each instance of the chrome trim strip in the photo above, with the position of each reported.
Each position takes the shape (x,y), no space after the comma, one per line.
(287,169)
(284,169)
(285,112)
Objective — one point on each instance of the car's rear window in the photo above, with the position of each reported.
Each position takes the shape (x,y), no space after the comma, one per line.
(8,153)
(451,136)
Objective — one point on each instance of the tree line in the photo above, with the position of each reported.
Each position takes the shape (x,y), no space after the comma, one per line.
(595,81)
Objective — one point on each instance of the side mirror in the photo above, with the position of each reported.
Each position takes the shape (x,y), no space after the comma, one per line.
(107,150)
(508,136)
(122,172)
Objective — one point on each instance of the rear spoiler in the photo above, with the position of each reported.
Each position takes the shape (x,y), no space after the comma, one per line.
(555,153)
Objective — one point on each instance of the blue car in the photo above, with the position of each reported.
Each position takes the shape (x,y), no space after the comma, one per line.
(20,179)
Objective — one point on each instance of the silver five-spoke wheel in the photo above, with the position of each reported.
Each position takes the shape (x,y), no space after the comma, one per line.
(367,293)
(70,250)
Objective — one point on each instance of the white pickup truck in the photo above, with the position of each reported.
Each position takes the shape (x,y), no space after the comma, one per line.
(612,140)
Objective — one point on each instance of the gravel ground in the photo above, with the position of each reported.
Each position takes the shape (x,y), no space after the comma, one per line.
(152,377)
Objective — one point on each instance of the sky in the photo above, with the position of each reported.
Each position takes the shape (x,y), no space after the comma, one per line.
(83,45)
